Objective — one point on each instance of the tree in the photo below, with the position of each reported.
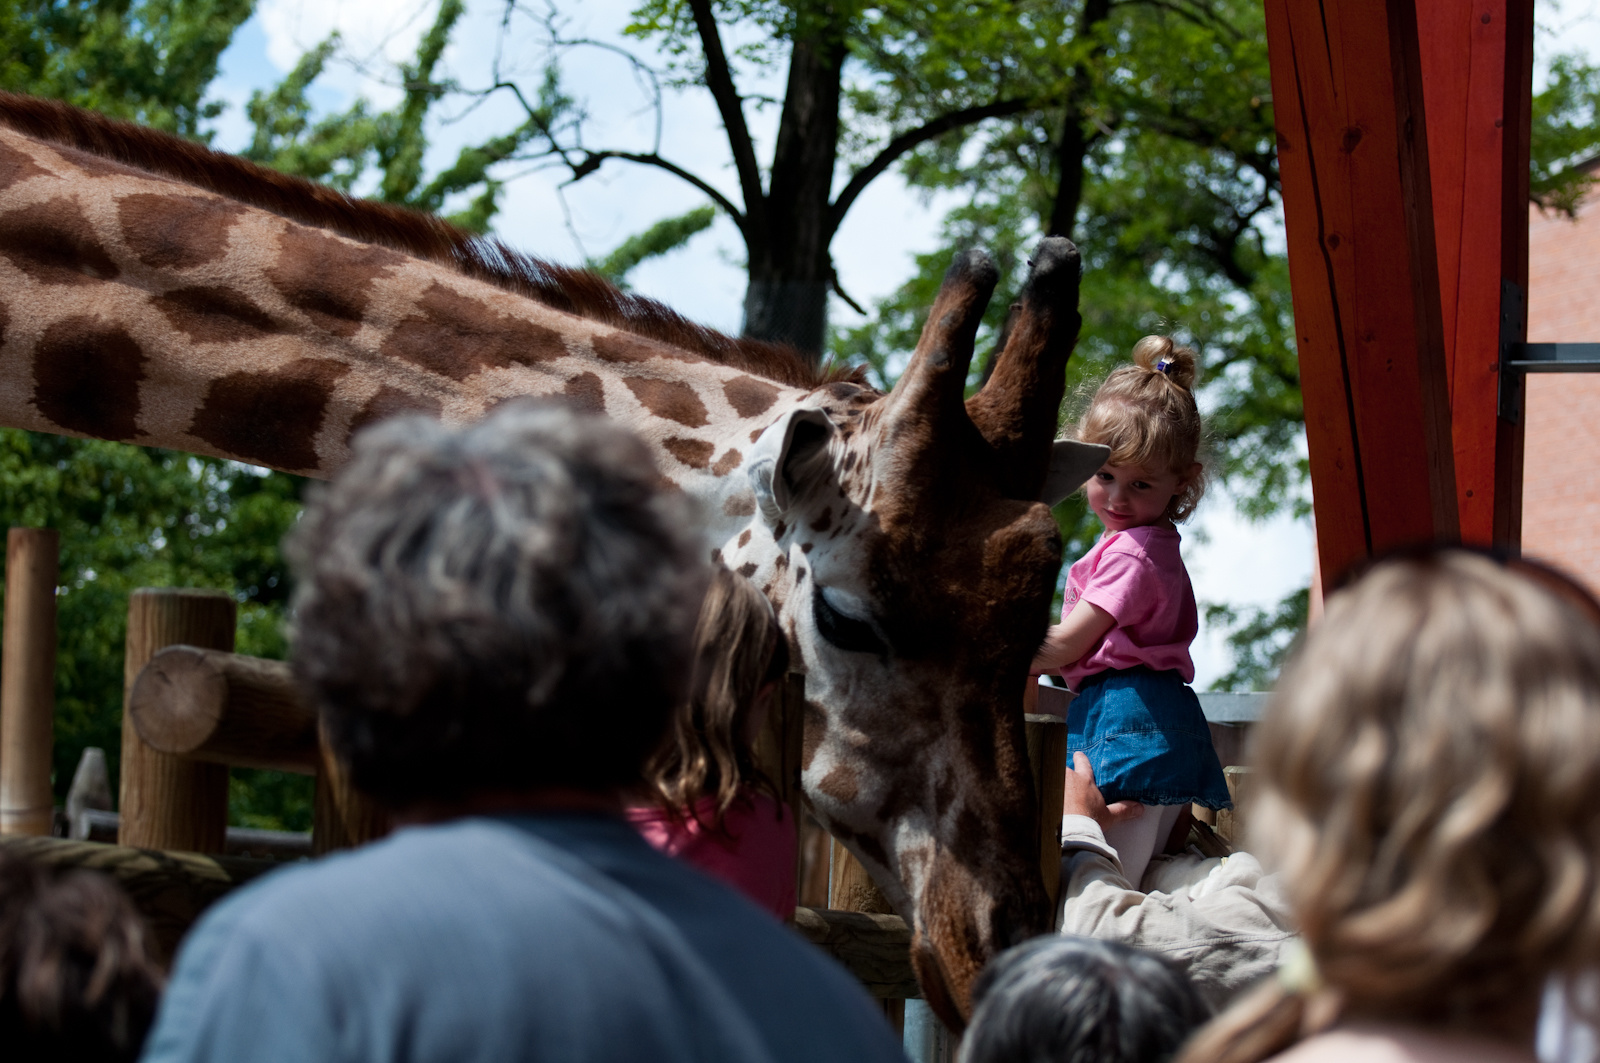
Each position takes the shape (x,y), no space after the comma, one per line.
(133,517)
(149,61)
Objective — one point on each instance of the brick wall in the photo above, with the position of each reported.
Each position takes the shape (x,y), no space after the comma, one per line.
(1561,469)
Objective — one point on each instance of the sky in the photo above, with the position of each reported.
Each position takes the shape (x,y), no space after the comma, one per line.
(1231,560)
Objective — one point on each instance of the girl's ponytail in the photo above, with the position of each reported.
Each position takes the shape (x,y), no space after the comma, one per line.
(1158,354)
(1261,1024)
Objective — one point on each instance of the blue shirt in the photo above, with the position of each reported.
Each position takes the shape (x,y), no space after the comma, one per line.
(553,937)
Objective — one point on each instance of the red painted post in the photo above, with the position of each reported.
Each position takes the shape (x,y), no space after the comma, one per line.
(1352,152)
(1477,60)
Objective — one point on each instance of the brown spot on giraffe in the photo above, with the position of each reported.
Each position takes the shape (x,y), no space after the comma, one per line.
(695,453)
(16,166)
(813,729)
(824,520)
(740,505)
(747,569)
(744,538)
(392,402)
(86,377)
(626,348)
(328,280)
(778,530)
(756,434)
(749,396)
(727,463)
(271,417)
(53,243)
(806,548)
(458,336)
(586,392)
(843,783)
(671,399)
(216,315)
(176,232)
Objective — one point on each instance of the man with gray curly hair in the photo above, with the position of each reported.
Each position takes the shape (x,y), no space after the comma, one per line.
(493,622)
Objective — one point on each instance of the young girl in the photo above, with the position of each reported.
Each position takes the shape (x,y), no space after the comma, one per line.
(1428,787)
(1129,614)
(710,804)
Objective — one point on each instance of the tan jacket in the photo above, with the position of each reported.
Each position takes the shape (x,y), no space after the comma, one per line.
(1222,921)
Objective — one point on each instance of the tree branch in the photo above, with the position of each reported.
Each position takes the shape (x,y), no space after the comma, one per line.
(719,79)
(910,139)
(592,160)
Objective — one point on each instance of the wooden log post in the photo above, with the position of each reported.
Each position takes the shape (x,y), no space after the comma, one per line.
(778,754)
(342,817)
(28,680)
(170,802)
(225,708)
(1047,757)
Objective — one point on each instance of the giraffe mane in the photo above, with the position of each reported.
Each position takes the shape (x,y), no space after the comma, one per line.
(411,232)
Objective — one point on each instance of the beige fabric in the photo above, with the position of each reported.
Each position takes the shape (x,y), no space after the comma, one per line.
(1222,921)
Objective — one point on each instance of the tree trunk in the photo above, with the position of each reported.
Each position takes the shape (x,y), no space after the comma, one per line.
(1073,147)
(790,270)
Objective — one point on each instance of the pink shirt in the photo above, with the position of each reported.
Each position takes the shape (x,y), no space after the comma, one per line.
(756,856)
(1138,577)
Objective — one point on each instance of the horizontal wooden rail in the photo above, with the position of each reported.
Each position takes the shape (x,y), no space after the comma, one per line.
(875,948)
(170,889)
(224,708)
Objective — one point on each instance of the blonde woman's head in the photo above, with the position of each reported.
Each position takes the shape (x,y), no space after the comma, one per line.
(1146,414)
(1428,783)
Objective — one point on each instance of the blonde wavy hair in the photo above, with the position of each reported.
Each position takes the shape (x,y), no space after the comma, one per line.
(1147,416)
(1429,785)
(739,649)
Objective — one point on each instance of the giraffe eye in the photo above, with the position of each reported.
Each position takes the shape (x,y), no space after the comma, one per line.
(845,632)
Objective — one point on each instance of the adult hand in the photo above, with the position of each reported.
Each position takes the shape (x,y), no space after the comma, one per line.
(1081,797)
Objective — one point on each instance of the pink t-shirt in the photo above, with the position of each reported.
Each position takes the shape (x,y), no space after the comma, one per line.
(1138,577)
(756,856)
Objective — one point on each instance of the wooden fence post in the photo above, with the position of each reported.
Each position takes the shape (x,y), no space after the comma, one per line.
(28,680)
(1047,756)
(169,802)
(342,817)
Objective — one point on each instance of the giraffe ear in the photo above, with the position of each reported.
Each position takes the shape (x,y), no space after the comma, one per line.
(783,459)
(1071,463)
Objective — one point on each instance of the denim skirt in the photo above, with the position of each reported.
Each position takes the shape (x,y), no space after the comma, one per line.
(1146,738)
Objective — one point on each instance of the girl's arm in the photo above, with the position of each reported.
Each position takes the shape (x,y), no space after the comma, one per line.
(1067,642)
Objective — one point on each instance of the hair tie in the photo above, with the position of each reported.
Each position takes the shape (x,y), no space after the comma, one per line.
(1164,365)
(1297,970)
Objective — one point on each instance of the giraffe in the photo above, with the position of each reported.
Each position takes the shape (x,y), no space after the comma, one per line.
(155,292)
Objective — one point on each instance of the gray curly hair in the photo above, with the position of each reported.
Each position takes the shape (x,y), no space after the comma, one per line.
(496,607)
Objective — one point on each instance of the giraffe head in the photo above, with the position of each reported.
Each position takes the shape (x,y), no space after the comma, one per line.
(914,565)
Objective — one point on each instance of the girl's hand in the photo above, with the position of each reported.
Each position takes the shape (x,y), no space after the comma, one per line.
(1071,640)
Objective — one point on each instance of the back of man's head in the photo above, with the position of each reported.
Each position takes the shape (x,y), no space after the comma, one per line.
(1078,1000)
(501,607)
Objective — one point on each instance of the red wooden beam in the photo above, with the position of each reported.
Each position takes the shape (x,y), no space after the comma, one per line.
(1352,152)
(1477,65)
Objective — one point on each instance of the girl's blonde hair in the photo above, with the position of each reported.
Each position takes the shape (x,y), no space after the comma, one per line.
(738,649)
(1146,414)
(1429,785)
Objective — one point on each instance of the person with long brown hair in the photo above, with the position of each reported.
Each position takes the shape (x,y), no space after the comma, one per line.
(1428,785)
(708,801)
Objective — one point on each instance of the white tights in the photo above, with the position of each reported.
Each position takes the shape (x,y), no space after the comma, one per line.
(1137,840)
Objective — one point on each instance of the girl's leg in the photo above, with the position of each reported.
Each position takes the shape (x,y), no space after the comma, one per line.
(1137,840)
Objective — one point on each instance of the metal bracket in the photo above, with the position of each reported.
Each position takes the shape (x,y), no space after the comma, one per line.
(1518,359)
(1513,311)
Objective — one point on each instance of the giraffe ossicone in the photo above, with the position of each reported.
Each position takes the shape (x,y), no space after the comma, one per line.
(156,292)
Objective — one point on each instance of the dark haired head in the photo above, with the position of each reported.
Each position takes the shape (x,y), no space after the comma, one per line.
(77,978)
(495,608)
(1078,1000)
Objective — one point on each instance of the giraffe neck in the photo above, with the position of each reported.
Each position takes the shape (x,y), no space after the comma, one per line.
(136,308)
